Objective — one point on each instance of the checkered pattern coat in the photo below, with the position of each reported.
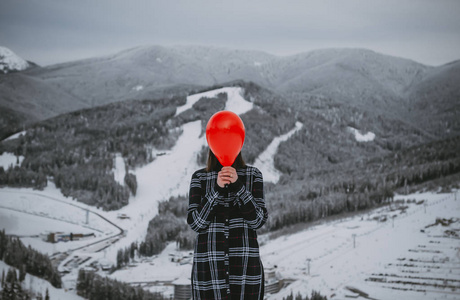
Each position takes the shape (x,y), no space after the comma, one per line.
(226,262)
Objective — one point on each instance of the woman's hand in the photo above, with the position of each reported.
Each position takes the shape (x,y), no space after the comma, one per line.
(227,175)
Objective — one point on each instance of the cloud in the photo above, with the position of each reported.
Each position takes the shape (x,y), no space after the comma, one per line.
(48,30)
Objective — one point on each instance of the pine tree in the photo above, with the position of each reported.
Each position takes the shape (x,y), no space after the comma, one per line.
(119,258)
(22,273)
(47,296)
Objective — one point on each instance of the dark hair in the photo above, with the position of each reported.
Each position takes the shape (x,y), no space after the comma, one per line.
(213,163)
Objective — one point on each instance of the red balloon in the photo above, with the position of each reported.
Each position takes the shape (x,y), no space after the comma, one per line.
(225,135)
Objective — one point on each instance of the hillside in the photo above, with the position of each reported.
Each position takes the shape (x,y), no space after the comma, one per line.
(131,162)
(360,78)
(436,100)
(322,160)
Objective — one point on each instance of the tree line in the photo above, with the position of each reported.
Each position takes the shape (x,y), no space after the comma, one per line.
(314,296)
(27,260)
(93,287)
(12,288)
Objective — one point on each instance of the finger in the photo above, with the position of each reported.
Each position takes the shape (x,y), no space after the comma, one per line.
(224,177)
(226,174)
(229,169)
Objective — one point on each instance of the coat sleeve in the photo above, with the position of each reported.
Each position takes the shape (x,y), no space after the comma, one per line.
(200,208)
(252,203)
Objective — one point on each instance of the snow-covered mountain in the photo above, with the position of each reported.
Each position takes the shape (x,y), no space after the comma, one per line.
(357,77)
(346,73)
(10,62)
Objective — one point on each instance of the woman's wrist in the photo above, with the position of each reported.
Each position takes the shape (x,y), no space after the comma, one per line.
(235,186)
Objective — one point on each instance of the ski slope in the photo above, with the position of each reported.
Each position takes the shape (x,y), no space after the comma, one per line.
(320,258)
(235,101)
(266,162)
(168,175)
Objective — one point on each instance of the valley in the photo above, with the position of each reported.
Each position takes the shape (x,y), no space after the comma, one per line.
(348,257)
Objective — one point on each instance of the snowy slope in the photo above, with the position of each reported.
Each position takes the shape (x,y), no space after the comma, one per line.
(169,174)
(39,286)
(334,263)
(236,103)
(265,161)
(9,61)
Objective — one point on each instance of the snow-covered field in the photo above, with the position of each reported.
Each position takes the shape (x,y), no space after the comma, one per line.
(371,252)
(367,253)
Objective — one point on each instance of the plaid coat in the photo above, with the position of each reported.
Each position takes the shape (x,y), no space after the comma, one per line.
(226,263)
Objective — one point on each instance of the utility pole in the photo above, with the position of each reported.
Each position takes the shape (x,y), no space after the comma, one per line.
(308,265)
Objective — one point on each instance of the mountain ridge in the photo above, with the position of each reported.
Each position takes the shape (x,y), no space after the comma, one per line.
(358,77)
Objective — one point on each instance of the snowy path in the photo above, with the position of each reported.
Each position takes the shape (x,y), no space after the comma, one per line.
(265,162)
(235,101)
(168,175)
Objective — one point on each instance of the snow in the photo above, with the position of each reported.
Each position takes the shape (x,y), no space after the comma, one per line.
(368,137)
(36,224)
(10,61)
(38,285)
(235,102)
(159,269)
(8,160)
(168,175)
(138,88)
(334,263)
(15,136)
(29,214)
(265,162)
(119,170)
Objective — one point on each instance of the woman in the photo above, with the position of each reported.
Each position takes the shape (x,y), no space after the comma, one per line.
(226,206)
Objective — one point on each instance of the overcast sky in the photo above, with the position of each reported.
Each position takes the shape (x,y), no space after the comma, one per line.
(52,31)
